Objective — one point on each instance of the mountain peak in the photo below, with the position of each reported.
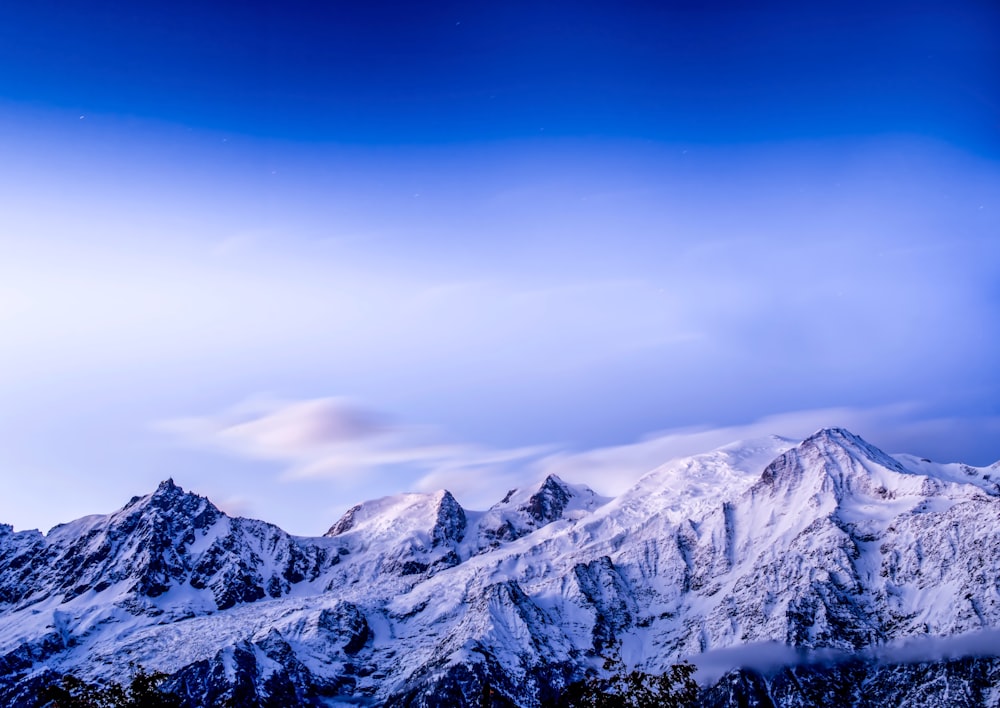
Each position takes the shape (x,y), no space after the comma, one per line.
(451,521)
(833,432)
(839,438)
(827,438)
(835,460)
(835,435)
(169,500)
(402,515)
(167,486)
(548,502)
(523,511)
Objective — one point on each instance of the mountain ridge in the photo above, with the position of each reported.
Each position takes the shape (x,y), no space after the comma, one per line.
(831,545)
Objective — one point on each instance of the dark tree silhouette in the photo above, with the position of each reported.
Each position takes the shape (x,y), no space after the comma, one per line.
(632,689)
(635,689)
(143,691)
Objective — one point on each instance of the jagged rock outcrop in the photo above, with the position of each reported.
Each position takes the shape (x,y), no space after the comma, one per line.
(523,511)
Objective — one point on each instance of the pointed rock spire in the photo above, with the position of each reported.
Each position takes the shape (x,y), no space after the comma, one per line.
(548,502)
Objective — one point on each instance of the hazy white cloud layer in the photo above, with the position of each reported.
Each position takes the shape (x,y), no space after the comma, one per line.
(771,657)
(335,439)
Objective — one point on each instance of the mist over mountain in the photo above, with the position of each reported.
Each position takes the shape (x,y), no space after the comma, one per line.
(790,573)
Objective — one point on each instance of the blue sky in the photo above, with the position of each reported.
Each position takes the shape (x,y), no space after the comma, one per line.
(296,256)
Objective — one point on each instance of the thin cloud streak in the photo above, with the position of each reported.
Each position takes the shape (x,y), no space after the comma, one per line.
(334,438)
(340,441)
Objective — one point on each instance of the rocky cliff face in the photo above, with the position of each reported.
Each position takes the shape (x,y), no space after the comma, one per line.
(830,550)
(167,540)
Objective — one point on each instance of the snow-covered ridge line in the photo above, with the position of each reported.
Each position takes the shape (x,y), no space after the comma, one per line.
(827,545)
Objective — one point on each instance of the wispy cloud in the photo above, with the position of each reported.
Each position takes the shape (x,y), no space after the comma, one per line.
(339,440)
(336,438)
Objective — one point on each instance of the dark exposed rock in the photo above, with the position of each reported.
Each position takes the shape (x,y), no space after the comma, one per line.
(512,518)
(548,502)
(451,521)
(347,626)
(608,593)
(345,523)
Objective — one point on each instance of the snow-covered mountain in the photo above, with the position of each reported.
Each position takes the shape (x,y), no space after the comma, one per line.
(790,573)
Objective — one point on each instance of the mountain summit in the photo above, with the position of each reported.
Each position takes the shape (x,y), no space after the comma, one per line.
(886,567)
